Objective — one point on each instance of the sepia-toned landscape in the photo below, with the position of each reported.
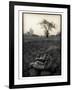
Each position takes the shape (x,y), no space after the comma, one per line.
(41,40)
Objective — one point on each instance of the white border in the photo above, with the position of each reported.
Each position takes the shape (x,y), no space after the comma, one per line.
(18,47)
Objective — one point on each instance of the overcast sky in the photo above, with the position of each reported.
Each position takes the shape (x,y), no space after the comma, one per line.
(33,20)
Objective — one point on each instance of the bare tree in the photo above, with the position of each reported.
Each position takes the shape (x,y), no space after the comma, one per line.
(48,26)
(31,31)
